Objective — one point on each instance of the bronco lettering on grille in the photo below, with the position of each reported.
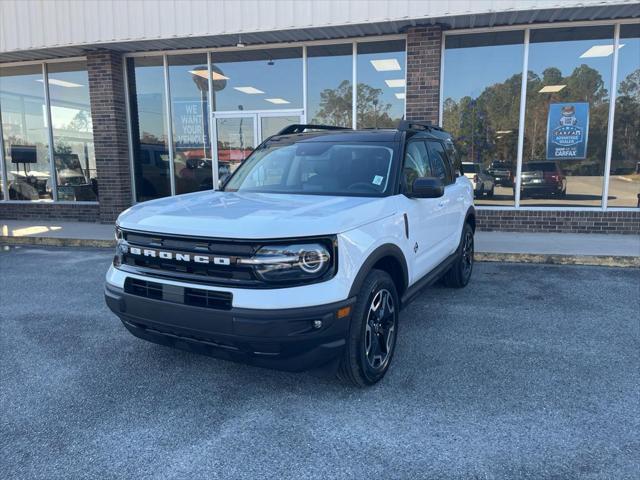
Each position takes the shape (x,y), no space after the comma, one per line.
(180,257)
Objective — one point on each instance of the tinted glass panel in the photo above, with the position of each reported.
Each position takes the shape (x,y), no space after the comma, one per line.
(566,115)
(439,163)
(329,87)
(321,168)
(25,133)
(189,90)
(483,77)
(416,163)
(624,183)
(75,160)
(257,79)
(381,84)
(149,131)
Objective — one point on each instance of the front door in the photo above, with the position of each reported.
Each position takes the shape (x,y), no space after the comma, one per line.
(237,134)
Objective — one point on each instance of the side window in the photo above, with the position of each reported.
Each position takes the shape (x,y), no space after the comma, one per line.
(439,162)
(454,158)
(416,163)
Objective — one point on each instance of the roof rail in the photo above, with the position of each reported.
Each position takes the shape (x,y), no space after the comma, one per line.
(301,127)
(406,125)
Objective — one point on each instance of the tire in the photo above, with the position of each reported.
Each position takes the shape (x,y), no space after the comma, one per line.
(459,274)
(364,362)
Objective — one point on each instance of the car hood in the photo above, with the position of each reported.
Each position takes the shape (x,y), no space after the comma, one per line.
(253,215)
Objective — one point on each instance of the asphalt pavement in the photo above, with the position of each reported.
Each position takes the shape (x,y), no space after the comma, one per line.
(532,371)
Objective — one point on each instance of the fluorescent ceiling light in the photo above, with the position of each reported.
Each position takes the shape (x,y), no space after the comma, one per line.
(277,101)
(386,65)
(205,74)
(503,131)
(600,51)
(551,88)
(249,90)
(395,83)
(61,83)
(400,96)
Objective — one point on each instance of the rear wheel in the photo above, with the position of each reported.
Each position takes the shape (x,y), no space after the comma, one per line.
(372,335)
(460,272)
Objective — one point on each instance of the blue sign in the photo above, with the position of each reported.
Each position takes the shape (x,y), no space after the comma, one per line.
(567,131)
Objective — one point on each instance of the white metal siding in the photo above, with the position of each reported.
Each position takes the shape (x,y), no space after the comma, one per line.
(34,24)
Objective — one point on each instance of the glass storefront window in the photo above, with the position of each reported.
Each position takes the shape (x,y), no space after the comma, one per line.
(381,74)
(257,79)
(189,90)
(566,116)
(329,84)
(624,182)
(25,133)
(481,108)
(74,156)
(149,130)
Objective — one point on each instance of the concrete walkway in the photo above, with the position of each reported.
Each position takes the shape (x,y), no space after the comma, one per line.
(562,248)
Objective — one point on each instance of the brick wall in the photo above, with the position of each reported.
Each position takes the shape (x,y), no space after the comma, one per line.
(423,73)
(108,111)
(81,212)
(627,222)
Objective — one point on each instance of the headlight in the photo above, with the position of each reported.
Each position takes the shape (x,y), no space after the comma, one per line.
(291,262)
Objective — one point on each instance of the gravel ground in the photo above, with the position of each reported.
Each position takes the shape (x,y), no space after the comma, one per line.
(530,372)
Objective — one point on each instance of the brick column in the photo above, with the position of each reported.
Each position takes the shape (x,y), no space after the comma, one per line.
(423,73)
(106,89)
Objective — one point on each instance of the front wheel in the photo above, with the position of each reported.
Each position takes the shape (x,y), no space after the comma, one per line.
(372,335)
(460,272)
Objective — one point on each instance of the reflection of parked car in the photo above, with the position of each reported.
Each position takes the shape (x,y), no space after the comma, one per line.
(501,173)
(483,183)
(542,179)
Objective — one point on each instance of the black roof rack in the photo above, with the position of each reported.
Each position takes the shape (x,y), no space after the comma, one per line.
(406,125)
(301,127)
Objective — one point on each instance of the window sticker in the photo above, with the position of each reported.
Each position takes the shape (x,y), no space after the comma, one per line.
(377,180)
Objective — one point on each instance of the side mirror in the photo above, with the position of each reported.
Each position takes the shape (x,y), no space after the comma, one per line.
(426,187)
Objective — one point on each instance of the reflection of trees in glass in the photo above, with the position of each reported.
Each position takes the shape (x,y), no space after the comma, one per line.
(335,106)
(626,145)
(81,122)
(475,122)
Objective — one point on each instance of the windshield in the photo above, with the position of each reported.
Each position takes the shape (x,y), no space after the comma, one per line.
(471,167)
(320,168)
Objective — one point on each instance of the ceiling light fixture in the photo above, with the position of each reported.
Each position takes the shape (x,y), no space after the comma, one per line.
(551,88)
(386,65)
(395,83)
(205,74)
(61,83)
(600,51)
(248,90)
(504,131)
(400,96)
(277,101)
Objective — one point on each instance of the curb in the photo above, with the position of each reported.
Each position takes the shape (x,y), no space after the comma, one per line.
(548,259)
(559,259)
(58,242)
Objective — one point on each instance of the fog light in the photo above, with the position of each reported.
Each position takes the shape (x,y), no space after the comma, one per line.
(317,324)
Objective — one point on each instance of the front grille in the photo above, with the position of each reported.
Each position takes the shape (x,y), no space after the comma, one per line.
(233,274)
(188,296)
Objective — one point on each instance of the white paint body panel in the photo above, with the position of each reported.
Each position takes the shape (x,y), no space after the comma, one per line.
(361,225)
(32,24)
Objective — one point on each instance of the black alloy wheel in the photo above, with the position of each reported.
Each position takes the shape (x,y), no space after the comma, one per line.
(460,272)
(380,329)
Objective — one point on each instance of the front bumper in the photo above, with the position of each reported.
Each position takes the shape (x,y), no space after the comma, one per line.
(285,339)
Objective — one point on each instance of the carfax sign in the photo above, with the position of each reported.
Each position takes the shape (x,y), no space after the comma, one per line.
(567,131)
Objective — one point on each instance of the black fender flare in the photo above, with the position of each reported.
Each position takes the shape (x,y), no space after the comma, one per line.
(385,250)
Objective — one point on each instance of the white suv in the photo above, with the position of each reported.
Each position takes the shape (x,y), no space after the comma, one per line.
(306,255)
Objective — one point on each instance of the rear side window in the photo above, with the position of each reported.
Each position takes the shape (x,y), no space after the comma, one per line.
(439,163)
(416,163)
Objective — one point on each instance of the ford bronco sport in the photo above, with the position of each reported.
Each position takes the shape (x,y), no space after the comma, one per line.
(305,256)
